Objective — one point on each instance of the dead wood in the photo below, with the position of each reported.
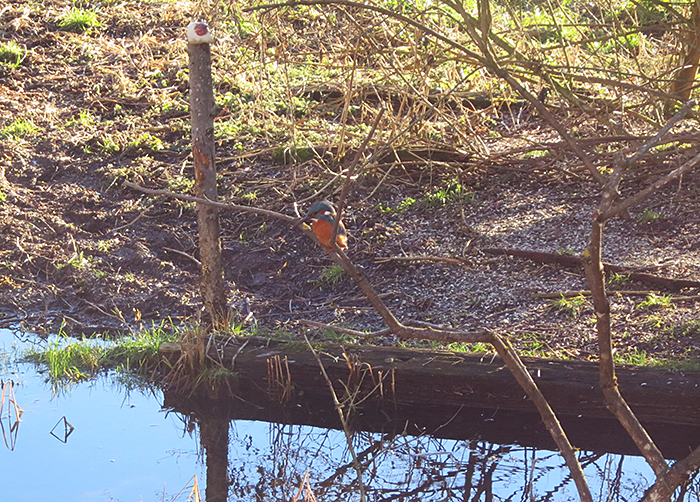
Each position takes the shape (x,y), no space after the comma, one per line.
(575,261)
(202,115)
(414,259)
(573,294)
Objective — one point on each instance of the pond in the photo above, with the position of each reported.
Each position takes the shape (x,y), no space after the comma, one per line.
(98,441)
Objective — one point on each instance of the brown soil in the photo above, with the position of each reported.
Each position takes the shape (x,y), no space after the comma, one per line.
(78,249)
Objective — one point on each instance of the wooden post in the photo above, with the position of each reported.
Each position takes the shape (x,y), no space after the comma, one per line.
(202,116)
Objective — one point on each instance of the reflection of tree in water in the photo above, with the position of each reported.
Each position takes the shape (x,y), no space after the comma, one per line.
(271,466)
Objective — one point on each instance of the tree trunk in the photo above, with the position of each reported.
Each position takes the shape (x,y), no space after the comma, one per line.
(202,113)
(682,85)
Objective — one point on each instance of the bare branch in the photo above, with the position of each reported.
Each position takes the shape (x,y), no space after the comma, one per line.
(640,196)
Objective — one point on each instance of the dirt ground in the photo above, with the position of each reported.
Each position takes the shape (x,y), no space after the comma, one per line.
(80,251)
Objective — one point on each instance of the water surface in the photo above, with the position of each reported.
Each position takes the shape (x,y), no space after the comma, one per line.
(125,447)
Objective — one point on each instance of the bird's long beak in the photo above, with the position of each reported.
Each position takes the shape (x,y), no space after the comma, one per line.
(301,220)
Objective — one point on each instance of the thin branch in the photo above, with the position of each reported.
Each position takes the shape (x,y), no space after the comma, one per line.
(351,171)
(522,375)
(595,277)
(220,205)
(656,139)
(381,10)
(345,331)
(438,259)
(343,420)
(640,196)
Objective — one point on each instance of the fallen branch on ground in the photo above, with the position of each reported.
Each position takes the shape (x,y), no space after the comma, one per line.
(575,261)
(439,259)
(573,294)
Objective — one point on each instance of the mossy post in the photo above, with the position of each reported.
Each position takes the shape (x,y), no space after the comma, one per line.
(202,116)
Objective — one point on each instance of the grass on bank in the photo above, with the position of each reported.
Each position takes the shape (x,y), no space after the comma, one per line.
(69,359)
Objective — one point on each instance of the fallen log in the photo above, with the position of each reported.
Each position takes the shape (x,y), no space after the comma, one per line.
(425,391)
(421,377)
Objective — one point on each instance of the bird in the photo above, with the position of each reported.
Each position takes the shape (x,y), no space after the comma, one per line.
(322,215)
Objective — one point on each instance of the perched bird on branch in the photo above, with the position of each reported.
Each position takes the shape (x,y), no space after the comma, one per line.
(322,215)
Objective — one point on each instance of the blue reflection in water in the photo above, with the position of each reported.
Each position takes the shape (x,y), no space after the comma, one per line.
(417,469)
(124,447)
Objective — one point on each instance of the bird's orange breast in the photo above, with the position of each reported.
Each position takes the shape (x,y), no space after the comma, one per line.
(323,228)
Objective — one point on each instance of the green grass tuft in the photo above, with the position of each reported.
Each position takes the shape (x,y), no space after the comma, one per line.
(71,360)
(655,301)
(19,128)
(572,306)
(79,20)
(331,276)
(11,54)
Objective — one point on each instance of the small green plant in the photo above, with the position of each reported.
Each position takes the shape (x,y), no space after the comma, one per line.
(3,196)
(331,276)
(180,183)
(648,215)
(450,193)
(566,251)
(690,328)
(403,206)
(250,197)
(569,305)
(636,357)
(11,54)
(109,145)
(85,119)
(655,301)
(79,20)
(68,359)
(19,128)
(618,279)
(146,142)
(215,378)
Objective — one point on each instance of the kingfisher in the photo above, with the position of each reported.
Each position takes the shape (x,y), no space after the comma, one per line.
(322,215)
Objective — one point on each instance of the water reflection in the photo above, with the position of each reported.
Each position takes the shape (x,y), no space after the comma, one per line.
(278,465)
(125,447)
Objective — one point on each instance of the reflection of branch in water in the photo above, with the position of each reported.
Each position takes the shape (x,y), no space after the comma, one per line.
(361,456)
(341,409)
(14,414)
(68,429)
(483,457)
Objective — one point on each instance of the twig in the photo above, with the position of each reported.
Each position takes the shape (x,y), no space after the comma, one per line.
(220,205)
(345,331)
(348,179)
(182,253)
(441,259)
(381,10)
(343,420)
(122,227)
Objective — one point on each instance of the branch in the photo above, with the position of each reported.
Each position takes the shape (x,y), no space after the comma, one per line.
(438,259)
(595,277)
(608,207)
(575,261)
(220,205)
(521,374)
(640,196)
(374,8)
(349,175)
